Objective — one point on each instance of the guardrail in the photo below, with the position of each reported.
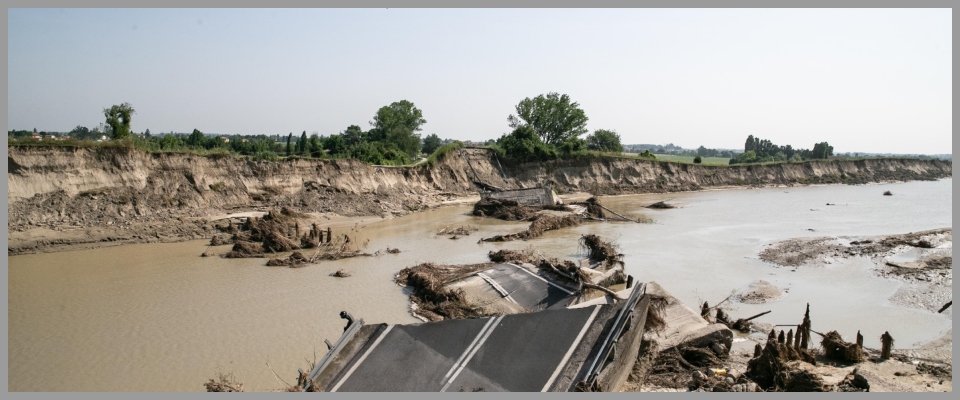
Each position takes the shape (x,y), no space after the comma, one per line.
(623,316)
(328,358)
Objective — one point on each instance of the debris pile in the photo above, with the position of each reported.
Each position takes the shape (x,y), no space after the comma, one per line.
(600,251)
(432,298)
(507,210)
(340,274)
(541,223)
(224,383)
(455,233)
(593,208)
(836,348)
(295,260)
(660,205)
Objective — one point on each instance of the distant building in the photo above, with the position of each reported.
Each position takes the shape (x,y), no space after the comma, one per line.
(225,139)
(36,136)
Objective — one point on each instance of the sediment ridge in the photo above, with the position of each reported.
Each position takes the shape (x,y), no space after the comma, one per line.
(66,198)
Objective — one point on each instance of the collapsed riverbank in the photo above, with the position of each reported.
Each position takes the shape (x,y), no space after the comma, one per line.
(74,198)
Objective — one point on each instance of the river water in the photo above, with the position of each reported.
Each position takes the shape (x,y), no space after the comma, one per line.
(157,317)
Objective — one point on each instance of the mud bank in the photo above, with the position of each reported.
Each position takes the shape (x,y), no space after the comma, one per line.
(67,198)
(923,261)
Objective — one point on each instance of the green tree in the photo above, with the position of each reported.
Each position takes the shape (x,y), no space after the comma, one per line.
(118,118)
(524,145)
(604,140)
(289,147)
(302,144)
(195,139)
(697,160)
(146,134)
(821,151)
(354,135)
(398,124)
(335,144)
(431,143)
(553,117)
(315,146)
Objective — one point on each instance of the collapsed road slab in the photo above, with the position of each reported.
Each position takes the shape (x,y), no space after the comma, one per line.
(550,350)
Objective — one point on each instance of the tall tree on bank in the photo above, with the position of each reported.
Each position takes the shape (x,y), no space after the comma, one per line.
(302,144)
(118,118)
(354,135)
(552,116)
(604,140)
(431,143)
(289,147)
(398,124)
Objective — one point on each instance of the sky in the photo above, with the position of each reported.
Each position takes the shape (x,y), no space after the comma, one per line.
(865,80)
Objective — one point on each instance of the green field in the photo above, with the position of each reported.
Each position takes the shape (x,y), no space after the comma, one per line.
(689,160)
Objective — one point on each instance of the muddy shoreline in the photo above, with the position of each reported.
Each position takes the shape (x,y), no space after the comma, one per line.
(74,198)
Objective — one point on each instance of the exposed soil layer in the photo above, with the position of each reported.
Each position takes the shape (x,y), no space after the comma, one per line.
(63,198)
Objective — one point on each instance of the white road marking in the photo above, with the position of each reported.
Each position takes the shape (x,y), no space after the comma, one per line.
(496,286)
(470,347)
(541,278)
(573,346)
(474,351)
(360,361)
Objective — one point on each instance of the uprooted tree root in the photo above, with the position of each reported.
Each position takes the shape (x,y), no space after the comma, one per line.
(541,223)
(433,299)
(656,314)
(673,367)
(836,348)
(777,369)
(599,250)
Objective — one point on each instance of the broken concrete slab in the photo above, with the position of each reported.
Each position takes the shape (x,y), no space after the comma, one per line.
(683,325)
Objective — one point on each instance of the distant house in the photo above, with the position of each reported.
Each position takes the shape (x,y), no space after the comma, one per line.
(244,140)
(225,139)
(36,136)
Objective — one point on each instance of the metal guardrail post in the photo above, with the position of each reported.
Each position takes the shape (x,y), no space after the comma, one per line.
(328,358)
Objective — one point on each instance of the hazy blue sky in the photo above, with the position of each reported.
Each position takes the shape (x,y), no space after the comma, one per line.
(865,80)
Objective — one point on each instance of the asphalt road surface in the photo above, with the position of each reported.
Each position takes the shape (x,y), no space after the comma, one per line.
(528,289)
(521,352)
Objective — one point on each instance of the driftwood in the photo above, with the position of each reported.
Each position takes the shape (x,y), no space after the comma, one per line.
(602,289)
(743,324)
(945,306)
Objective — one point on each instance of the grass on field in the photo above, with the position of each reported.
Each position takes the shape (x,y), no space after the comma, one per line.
(689,160)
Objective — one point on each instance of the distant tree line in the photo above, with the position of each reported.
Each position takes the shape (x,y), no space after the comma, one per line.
(393,138)
(756,150)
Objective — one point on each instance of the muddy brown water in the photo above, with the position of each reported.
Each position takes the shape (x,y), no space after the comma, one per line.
(157,317)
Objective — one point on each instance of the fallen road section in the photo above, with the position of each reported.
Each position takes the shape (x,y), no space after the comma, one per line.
(590,347)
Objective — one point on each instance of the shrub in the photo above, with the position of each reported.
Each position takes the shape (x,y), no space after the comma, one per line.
(697,160)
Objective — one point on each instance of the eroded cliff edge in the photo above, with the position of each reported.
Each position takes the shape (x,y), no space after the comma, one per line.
(60,198)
